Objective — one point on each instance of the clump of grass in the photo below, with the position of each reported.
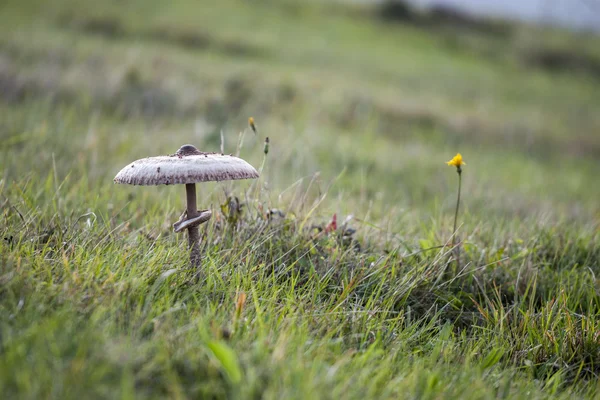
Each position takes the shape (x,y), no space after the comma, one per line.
(275,300)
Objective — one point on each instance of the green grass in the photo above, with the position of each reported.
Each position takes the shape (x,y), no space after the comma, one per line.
(96,296)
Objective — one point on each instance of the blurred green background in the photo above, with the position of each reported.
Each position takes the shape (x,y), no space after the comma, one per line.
(385,93)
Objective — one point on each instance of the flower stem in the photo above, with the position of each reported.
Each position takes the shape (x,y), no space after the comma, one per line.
(456,215)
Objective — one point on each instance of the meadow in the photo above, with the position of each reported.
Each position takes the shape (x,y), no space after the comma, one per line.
(363,106)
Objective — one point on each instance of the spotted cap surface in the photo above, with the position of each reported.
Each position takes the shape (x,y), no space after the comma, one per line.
(188,165)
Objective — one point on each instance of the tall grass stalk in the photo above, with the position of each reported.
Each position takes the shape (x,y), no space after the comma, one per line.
(457,250)
(457,162)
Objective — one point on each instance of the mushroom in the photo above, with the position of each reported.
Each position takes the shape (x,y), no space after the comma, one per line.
(187,166)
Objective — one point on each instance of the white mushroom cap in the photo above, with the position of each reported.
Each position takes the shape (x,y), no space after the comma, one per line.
(188,165)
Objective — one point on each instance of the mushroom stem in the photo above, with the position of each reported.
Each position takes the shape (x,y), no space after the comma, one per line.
(193,232)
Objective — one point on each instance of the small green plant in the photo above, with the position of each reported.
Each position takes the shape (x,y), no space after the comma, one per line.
(457,162)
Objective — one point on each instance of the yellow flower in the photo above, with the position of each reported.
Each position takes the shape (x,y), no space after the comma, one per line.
(457,161)
(251,123)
